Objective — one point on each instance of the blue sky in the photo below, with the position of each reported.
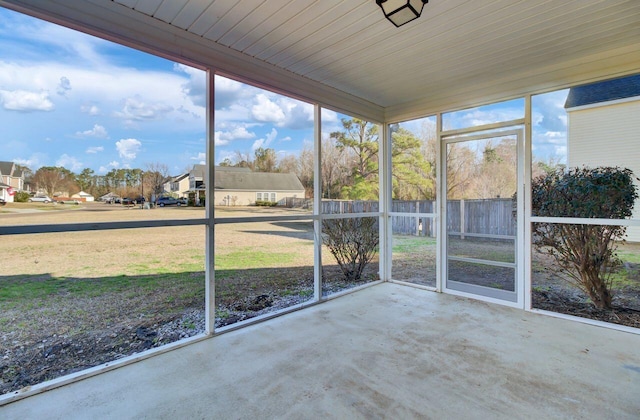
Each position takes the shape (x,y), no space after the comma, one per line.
(73,100)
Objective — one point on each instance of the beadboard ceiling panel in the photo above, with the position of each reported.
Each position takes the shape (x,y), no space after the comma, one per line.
(458,53)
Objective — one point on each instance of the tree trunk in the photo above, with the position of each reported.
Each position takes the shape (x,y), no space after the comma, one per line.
(597,290)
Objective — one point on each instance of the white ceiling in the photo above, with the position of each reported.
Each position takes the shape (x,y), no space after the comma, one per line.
(459,53)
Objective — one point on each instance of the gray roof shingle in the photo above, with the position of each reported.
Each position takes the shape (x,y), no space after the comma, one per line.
(257,181)
(235,178)
(6,168)
(609,90)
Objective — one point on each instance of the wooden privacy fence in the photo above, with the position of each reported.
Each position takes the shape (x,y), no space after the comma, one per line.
(493,216)
(489,217)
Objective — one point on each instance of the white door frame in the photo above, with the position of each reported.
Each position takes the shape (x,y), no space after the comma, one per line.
(516,298)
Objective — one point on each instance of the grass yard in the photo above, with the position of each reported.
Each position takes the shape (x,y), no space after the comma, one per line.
(72,300)
(414,259)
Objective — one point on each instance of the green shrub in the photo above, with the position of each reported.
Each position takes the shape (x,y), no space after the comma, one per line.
(21,197)
(353,243)
(266,203)
(584,253)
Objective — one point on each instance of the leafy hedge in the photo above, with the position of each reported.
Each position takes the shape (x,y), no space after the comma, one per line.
(266,203)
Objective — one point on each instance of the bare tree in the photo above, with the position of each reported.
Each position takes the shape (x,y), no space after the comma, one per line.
(497,171)
(305,167)
(154,178)
(53,179)
(335,167)
(461,168)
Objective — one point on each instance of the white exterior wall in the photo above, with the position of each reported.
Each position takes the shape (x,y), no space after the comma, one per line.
(607,134)
(5,195)
(248,198)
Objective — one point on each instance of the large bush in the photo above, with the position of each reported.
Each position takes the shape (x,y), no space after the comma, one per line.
(353,243)
(21,197)
(585,254)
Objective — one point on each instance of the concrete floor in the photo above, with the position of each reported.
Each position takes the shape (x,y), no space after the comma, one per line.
(388,351)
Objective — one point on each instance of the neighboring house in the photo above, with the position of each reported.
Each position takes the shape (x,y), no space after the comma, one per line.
(242,187)
(11,180)
(109,197)
(177,185)
(196,190)
(603,121)
(83,196)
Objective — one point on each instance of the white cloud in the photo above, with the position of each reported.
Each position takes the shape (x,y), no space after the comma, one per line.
(136,109)
(201,158)
(111,165)
(298,115)
(24,162)
(64,86)
(218,140)
(33,162)
(265,110)
(69,162)
(128,148)
(25,101)
(265,142)
(94,150)
(228,92)
(90,109)
(126,92)
(97,131)
(238,133)
(225,154)
(476,117)
(196,87)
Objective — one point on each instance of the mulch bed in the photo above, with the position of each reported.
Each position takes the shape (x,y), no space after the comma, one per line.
(564,301)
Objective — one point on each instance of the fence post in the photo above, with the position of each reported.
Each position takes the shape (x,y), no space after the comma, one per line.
(418,218)
(462,217)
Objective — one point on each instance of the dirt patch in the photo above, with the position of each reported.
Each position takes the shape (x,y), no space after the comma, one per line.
(552,293)
(569,302)
(32,356)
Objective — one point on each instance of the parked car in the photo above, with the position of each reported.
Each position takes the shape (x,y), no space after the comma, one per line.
(184,201)
(40,199)
(126,201)
(167,201)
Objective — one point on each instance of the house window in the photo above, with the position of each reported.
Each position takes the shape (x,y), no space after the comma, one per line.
(264,196)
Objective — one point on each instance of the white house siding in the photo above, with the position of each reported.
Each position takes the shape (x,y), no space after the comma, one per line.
(607,134)
(4,194)
(248,198)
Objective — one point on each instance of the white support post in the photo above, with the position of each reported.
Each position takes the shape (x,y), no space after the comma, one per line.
(317,203)
(440,204)
(210,295)
(525,255)
(384,165)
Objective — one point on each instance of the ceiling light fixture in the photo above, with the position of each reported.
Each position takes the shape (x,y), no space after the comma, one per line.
(400,12)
